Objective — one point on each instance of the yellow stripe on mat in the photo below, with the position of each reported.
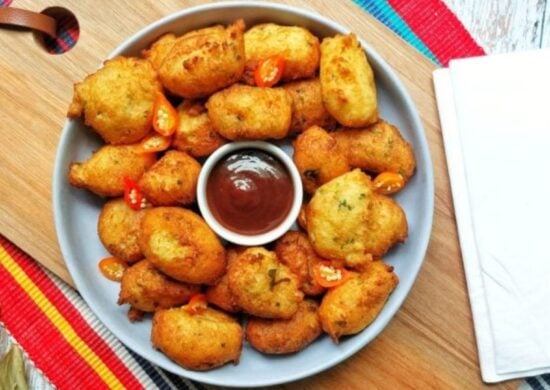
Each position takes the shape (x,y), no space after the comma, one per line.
(59,321)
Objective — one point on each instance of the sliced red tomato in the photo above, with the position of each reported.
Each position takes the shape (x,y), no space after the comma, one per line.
(197,304)
(112,268)
(328,275)
(132,194)
(154,143)
(269,71)
(165,116)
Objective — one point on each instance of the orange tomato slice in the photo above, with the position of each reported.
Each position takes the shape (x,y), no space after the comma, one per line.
(154,143)
(112,268)
(197,304)
(388,183)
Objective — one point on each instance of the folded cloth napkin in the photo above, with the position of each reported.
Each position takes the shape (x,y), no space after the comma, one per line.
(495,118)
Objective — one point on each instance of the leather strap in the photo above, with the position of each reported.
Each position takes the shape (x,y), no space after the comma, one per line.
(28,19)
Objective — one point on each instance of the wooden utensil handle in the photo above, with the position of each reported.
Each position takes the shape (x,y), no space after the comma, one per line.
(28,19)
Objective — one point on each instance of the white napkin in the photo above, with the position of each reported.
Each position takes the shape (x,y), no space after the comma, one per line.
(495,117)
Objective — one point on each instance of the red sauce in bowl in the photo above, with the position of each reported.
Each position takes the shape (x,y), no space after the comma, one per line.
(249,192)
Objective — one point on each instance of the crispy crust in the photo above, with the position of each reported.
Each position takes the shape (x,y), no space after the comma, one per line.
(117,100)
(103,173)
(347,81)
(262,285)
(318,158)
(172,180)
(352,306)
(197,341)
(285,336)
(179,243)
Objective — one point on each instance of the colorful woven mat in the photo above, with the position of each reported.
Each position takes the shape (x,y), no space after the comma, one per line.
(56,329)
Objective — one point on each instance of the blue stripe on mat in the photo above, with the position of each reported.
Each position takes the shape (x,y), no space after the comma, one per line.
(382,11)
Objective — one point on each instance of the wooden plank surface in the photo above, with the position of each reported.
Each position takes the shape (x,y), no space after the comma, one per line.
(501,26)
(429,344)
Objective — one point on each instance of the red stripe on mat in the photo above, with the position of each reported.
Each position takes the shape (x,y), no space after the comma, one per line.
(438,28)
(27,322)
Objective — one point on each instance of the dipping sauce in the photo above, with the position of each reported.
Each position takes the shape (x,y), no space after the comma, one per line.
(249,192)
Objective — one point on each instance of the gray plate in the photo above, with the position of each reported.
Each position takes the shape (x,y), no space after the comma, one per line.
(76,211)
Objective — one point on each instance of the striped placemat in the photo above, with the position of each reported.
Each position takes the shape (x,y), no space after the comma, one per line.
(65,345)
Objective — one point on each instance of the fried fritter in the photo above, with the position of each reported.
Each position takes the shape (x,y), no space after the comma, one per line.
(179,243)
(262,285)
(386,226)
(159,50)
(241,112)
(377,148)
(195,134)
(295,251)
(117,100)
(147,289)
(119,228)
(200,62)
(347,82)
(307,106)
(337,218)
(104,172)
(350,307)
(296,45)
(285,336)
(318,158)
(172,180)
(199,341)
(220,294)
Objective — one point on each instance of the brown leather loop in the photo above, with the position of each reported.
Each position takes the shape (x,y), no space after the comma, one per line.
(32,20)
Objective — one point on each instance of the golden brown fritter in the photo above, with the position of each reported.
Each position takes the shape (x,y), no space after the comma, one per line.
(377,148)
(199,341)
(200,62)
(307,106)
(295,251)
(241,112)
(147,289)
(302,219)
(195,134)
(296,45)
(347,82)
(337,218)
(179,243)
(285,336)
(386,226)
(350,307)
(159,50)
(172,180)
(119,228)
(220,294)
(318,158)
(262,285)
(117,100)
(104,172)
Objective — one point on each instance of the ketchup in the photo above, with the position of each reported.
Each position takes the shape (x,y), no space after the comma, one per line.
(249,192)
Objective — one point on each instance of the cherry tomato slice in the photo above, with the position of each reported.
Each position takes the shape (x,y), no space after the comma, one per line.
(112,268)
(154,143)
(165,116)
(132,194)
(197,304)
(269,71)
(388,183)
(327,275)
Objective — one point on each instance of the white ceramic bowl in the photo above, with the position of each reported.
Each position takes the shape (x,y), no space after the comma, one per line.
(76,211)
(242,239)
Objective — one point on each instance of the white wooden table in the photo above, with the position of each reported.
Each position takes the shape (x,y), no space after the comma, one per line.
(501,26)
